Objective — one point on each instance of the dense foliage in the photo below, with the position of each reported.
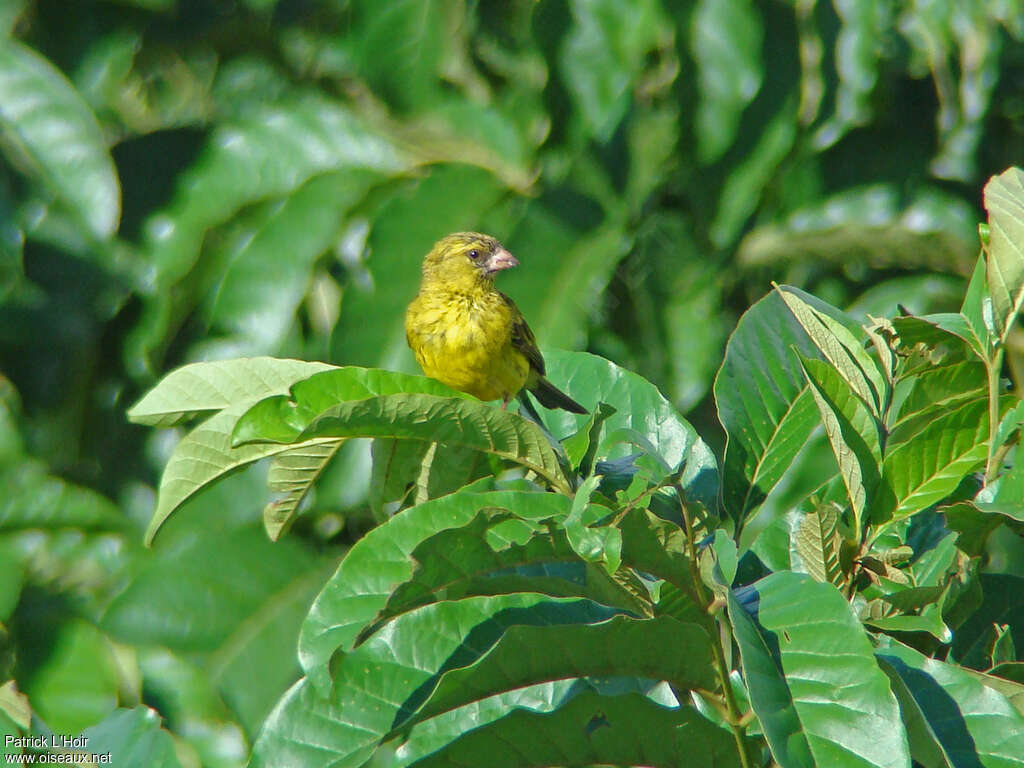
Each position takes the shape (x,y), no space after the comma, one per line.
(216,183)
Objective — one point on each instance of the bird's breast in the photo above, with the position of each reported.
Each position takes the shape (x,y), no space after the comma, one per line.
(465,341)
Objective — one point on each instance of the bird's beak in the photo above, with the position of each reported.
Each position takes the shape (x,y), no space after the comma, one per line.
(501,259)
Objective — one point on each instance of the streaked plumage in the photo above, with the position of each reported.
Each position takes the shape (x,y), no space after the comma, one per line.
(471,336)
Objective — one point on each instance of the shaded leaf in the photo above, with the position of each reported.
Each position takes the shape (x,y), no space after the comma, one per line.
(373,682)
(746,182)
(291,475)
(588,729)
(381,561)
(620,646)
(971,723)
(817,541)
(258,292)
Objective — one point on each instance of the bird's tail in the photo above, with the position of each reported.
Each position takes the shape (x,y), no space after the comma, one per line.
(550,396)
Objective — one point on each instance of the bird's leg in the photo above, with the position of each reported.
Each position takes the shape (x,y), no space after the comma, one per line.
(504,403)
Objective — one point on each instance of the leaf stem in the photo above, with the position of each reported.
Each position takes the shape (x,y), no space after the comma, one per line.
(735,717)
(995,369)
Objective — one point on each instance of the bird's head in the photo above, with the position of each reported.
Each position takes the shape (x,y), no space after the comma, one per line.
(466,260)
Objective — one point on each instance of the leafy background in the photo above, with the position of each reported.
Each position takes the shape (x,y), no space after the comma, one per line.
(184,181)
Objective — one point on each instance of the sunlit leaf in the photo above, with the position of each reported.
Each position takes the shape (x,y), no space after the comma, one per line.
(931,464)
(56,135)
(812,677)
(852,431)
(602,55)
(763,402)
(198,389)
(1004,200)
(451,420)
(135,736)
(726,41)
(381,561)
(373,683)
(969,722)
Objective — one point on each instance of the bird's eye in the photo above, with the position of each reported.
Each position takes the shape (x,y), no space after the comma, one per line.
(474,254)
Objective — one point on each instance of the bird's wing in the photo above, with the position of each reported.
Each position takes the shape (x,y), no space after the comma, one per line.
(523,338)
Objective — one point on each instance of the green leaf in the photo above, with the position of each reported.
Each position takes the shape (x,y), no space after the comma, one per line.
(929,621)
(947,334)
(640,407)
(15,708)
(857,55)
(746,183)
(942,386)
(875,225)
(620,646)
(258,292)
(33,498)
(581,447)
(451,420)
(588,729)
(812,677)
(499,553)
(1002,606)
(232,595)
(272,150)
(199,389)
(189,700)
(726,557)
(135,736)
(373,683)
(381,561)
(267,151)
(206,455)
(578,286)
(817,541)
(291,475)
(603,54)
(9,15)
(973,308)
(418,37)
(725,38)
(283,418)
(1004,201)
(56,138)
(930,464)
(76,683)
(852,431)
(763,402)
(600,544)
(971,723)
(828,329)
(398,471)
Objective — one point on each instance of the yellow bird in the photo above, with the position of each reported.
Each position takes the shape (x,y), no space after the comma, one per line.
(469,335)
